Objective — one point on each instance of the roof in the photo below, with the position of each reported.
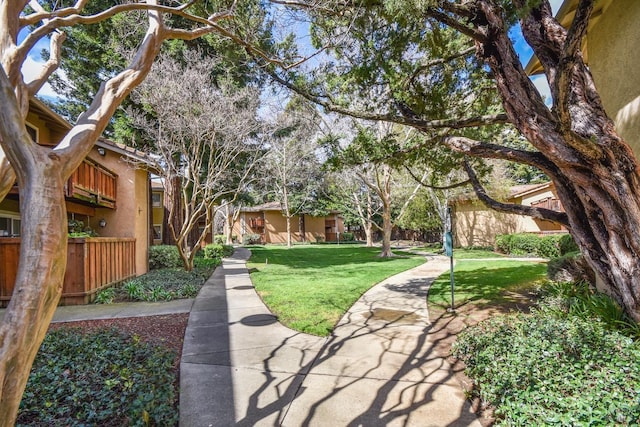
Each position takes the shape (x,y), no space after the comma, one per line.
(565,16)
(55,120)
(269,206)
(523,190)
(514,192)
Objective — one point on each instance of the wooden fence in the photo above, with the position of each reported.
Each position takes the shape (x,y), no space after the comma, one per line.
(92,264)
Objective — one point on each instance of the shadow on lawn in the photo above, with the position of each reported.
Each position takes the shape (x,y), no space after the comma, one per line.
(488,283)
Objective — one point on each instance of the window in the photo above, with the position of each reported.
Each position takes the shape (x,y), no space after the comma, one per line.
(32,131)
(157,232)
(9,225)
(156,200)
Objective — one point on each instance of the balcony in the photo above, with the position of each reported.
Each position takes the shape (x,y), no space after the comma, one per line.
(93,184)
(549,203)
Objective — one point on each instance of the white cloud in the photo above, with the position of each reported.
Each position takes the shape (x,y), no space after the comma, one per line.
(30,70)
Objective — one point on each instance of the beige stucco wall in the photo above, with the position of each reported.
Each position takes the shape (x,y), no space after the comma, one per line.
(476,225)
(275,227)
(131,216)
(612,45)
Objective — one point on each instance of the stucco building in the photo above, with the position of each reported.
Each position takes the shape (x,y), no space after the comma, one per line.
(474,224)
(268,221)
(109,193)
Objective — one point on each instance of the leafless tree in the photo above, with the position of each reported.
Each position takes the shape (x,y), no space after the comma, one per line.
(205,136)
(291,165)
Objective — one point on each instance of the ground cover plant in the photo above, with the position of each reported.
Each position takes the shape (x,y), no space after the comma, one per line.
(310,287)
(166,280)
(102,377)
(476,253)
(485,281)
(572,361)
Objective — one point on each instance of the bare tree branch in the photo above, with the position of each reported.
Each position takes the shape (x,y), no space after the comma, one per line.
(540,213)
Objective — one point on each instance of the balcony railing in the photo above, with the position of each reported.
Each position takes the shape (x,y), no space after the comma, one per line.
(94,184)
(549,203)
(92,264)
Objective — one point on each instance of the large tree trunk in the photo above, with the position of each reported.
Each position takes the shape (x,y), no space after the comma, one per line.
(43,259)
(594,170)
(173,214)
(387,227)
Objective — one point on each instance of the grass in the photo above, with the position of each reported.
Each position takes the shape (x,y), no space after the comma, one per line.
(465,253)
(485,281)
(309,288)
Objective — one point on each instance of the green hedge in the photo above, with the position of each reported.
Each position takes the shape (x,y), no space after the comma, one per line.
(524,244)
(572,361)
(164,256)
(216,250)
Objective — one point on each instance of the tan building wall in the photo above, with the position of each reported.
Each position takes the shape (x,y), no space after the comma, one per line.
(131,216)
(275,230)
(275,227)
(476,225)
(613,58)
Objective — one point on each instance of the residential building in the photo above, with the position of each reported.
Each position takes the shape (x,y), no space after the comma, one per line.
(108,193)
(268,221)
(474,224)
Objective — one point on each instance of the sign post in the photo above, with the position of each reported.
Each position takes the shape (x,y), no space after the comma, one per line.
(448,250)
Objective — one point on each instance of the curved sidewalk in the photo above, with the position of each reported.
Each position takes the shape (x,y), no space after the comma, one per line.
(379,368)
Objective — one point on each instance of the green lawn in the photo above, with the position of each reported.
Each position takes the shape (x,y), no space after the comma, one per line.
(464,253)
(485,281)
(310,287)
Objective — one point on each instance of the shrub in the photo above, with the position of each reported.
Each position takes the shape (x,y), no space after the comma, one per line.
(503,243)
(164,256)
(217,251)
(529,244)
(546,369)
(99,378)
(251,239)
(566,244)
(524,244)
(105,296)
(347,237)
(548,246)
(219,239)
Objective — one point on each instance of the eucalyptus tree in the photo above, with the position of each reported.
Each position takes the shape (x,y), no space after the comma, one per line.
(418,53)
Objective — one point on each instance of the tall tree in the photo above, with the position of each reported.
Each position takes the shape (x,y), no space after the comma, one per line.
(377,171)
(42,171)
(409,50)
(291,168)
(207,147)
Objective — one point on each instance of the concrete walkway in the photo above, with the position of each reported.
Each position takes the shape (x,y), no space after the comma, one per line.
(379,368)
